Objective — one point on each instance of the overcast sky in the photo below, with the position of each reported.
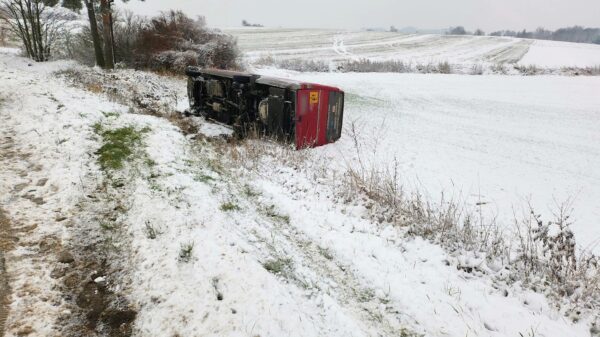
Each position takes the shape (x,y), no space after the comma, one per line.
(353,14)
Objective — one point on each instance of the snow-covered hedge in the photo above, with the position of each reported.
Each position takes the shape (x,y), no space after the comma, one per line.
(172,41)
(168,42)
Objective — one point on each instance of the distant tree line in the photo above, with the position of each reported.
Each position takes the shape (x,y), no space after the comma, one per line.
(248,24)
(570,34)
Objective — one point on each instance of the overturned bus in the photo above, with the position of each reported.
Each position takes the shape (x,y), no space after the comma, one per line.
(306,114)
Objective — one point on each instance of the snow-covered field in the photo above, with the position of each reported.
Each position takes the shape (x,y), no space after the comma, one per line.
(501,140)
(335,45)
(208,239)
(556,54)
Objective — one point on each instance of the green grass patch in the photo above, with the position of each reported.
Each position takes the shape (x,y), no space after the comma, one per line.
(97,127)
(149,162)
(119,145)
(111,114)
(229,207)
(203,178)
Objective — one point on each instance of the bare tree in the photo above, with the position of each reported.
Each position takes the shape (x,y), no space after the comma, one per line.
(459,30)
(37,25)
(89,4)
(105,56)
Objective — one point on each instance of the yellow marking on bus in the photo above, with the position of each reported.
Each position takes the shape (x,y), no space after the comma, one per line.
(314,97)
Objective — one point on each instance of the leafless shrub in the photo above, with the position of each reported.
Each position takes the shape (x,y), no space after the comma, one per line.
(499,68)
(38,26)
(528,70)
(356,66)
(477,69)
(444,68)
(547,256)
(126,29)
(426,68)
(369,66)
(78,44)
(293,64)
(587,71)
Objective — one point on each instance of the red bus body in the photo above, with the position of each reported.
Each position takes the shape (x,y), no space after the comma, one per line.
(307,114)
(318,109)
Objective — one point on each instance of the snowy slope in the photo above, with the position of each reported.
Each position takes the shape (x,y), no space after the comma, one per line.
(332,45)
(275,251)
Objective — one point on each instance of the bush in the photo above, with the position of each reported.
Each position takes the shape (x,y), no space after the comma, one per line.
(294,64)
(368,66)
(126,29)
(173,41)
(499,68)
(477,69)
(168,42)
(444,68)
(460,30)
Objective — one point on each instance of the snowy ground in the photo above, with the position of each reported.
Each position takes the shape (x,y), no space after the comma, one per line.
(502,140)
(460,51)
(556,54)
(259,248)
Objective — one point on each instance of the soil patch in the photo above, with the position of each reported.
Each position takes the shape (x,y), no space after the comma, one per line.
(6,244)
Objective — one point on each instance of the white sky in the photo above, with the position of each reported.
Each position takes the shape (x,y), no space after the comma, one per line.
(352,14)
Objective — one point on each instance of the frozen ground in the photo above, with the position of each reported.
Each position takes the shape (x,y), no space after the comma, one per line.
(213,240)
(335,45)
(501,140)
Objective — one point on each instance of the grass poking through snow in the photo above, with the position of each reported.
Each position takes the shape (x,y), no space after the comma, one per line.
(185,252)
(272,213)
(279,266)
(229,207)
(119,145)
(151,231)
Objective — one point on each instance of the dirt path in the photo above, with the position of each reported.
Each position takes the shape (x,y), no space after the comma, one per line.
(6,244)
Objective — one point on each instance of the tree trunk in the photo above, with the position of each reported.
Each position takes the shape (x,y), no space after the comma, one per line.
(95,35)
(107,34)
